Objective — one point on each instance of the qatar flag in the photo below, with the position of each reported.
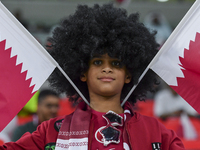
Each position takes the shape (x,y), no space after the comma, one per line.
(178,61)
(24,66)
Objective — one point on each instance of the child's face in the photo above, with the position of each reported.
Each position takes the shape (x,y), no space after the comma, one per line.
(105,76)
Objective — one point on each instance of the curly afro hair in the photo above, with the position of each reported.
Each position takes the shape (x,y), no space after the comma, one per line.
(96,31)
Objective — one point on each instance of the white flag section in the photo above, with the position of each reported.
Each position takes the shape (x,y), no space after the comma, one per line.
(24,66)
(34,57)
(178,61)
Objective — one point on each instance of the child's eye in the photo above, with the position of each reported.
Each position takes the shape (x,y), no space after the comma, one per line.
(117,63)
(97,62)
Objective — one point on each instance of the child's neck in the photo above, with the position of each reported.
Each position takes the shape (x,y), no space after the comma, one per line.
(104,104)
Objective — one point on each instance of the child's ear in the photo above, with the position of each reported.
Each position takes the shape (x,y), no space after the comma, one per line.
(128,78)
(83,77)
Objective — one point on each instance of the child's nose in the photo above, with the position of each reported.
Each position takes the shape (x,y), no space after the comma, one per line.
(107,68)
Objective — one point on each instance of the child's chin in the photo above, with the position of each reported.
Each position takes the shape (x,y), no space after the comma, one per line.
(109,94)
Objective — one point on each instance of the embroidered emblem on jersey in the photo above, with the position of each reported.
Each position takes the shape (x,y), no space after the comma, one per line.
(109,133)
(156,146)
(58,124)
(50,146)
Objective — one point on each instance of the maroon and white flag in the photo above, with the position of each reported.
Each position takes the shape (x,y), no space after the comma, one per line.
(178,61)
(24,66)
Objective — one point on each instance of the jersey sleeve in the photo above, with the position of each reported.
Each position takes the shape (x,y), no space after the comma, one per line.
(29,141)
(170,140)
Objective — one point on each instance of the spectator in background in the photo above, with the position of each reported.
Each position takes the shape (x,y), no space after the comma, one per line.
(168,104)
(48,106)
(157,21)
(30,108)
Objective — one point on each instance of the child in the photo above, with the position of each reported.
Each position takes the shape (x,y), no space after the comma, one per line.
(104,52)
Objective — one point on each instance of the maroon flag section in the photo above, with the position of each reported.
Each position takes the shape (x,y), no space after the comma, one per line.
(15,90)
(189,85)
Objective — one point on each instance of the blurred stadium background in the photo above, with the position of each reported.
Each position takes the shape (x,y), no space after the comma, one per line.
(41,15)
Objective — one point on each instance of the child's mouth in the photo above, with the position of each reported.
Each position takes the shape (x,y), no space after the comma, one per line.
(106,79)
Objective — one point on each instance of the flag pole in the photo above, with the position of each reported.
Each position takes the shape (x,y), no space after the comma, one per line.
(66,76)
(134,86)
(71,82)
(165,46)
